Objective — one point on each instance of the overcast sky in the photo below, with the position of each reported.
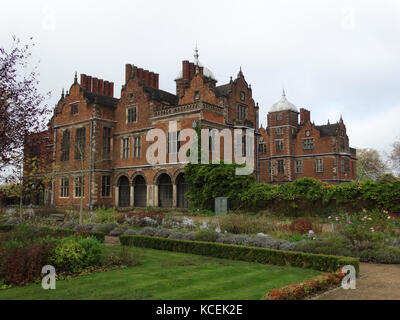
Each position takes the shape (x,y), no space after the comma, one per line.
(332,57)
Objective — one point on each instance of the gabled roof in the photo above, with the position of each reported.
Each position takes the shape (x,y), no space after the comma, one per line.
(103,100)
(222,90)
(328,129)
(161,96)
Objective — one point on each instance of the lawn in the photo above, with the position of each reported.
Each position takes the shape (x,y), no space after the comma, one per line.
(170,275)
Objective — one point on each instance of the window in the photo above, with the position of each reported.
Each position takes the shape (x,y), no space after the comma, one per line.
(242,96)
(279,117)
(281,168)
(308,144)
(125,148)
(137,144)
(131,97)
(212,139)
(174,145)
(80,141)
(79,187)
(65,145)
(269,167)
(64,188)
(241,112)
(244,145)
(342,145)
(279,131)
(299,166)
(106,143)
(262,148)
(105,186)
(197,95)
(74,109)
(343,169)
(132,115)
(319,167)
(279,145)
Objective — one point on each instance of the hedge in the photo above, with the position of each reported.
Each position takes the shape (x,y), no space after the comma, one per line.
(319,262)
(59,231)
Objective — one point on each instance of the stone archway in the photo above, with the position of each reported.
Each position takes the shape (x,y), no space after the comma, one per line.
(165,191)
(181,189)
(124,192)
(140,191)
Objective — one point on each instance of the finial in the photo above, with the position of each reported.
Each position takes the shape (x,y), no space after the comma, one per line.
(240,74)
(196,55)
(283,93)
(62,93)
(76,77)
(231,79)
(341,118)
(328,121)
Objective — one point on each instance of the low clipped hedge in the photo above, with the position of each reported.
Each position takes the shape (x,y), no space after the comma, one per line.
(60,232)
(319,262)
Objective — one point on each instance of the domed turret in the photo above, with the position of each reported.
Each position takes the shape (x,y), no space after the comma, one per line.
(283,104)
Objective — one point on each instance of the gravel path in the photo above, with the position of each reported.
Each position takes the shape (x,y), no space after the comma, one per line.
(376,282)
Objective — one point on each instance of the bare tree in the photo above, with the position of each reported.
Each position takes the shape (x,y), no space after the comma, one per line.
(395,157)
(370,164)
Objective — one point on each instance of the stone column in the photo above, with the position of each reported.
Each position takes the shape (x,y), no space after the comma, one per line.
(174,196)
(155,195)
(116,193)
(149,195)
(132,200)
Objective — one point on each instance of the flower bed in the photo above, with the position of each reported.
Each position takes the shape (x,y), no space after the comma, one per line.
(299,291)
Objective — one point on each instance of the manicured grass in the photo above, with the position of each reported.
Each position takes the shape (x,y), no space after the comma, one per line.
(170,275)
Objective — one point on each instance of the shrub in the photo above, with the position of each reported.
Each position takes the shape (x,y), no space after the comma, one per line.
(332,245)
(206,235)
(68,255)
(105,215)
(116,232)
(21,264)
(162,233)
(143,219)
(73,254)
(130,232)
(148,231)
(125,257)
(251,254)
(104,228)
(240,223)
(301,226)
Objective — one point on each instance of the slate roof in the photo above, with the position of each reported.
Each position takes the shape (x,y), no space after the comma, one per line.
(328,129)
(103,100)
(222,90)
(160,95)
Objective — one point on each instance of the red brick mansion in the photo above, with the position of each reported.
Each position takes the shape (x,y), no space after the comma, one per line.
(98,142)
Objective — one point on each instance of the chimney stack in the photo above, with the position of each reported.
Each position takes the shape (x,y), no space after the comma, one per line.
(304,116)
(128,72)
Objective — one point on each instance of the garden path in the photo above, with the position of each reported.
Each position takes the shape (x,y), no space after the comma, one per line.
(376,282)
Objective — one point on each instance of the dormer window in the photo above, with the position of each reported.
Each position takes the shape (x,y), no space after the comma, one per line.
(242,96)
(74,109)
(197,95)
(132,97)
